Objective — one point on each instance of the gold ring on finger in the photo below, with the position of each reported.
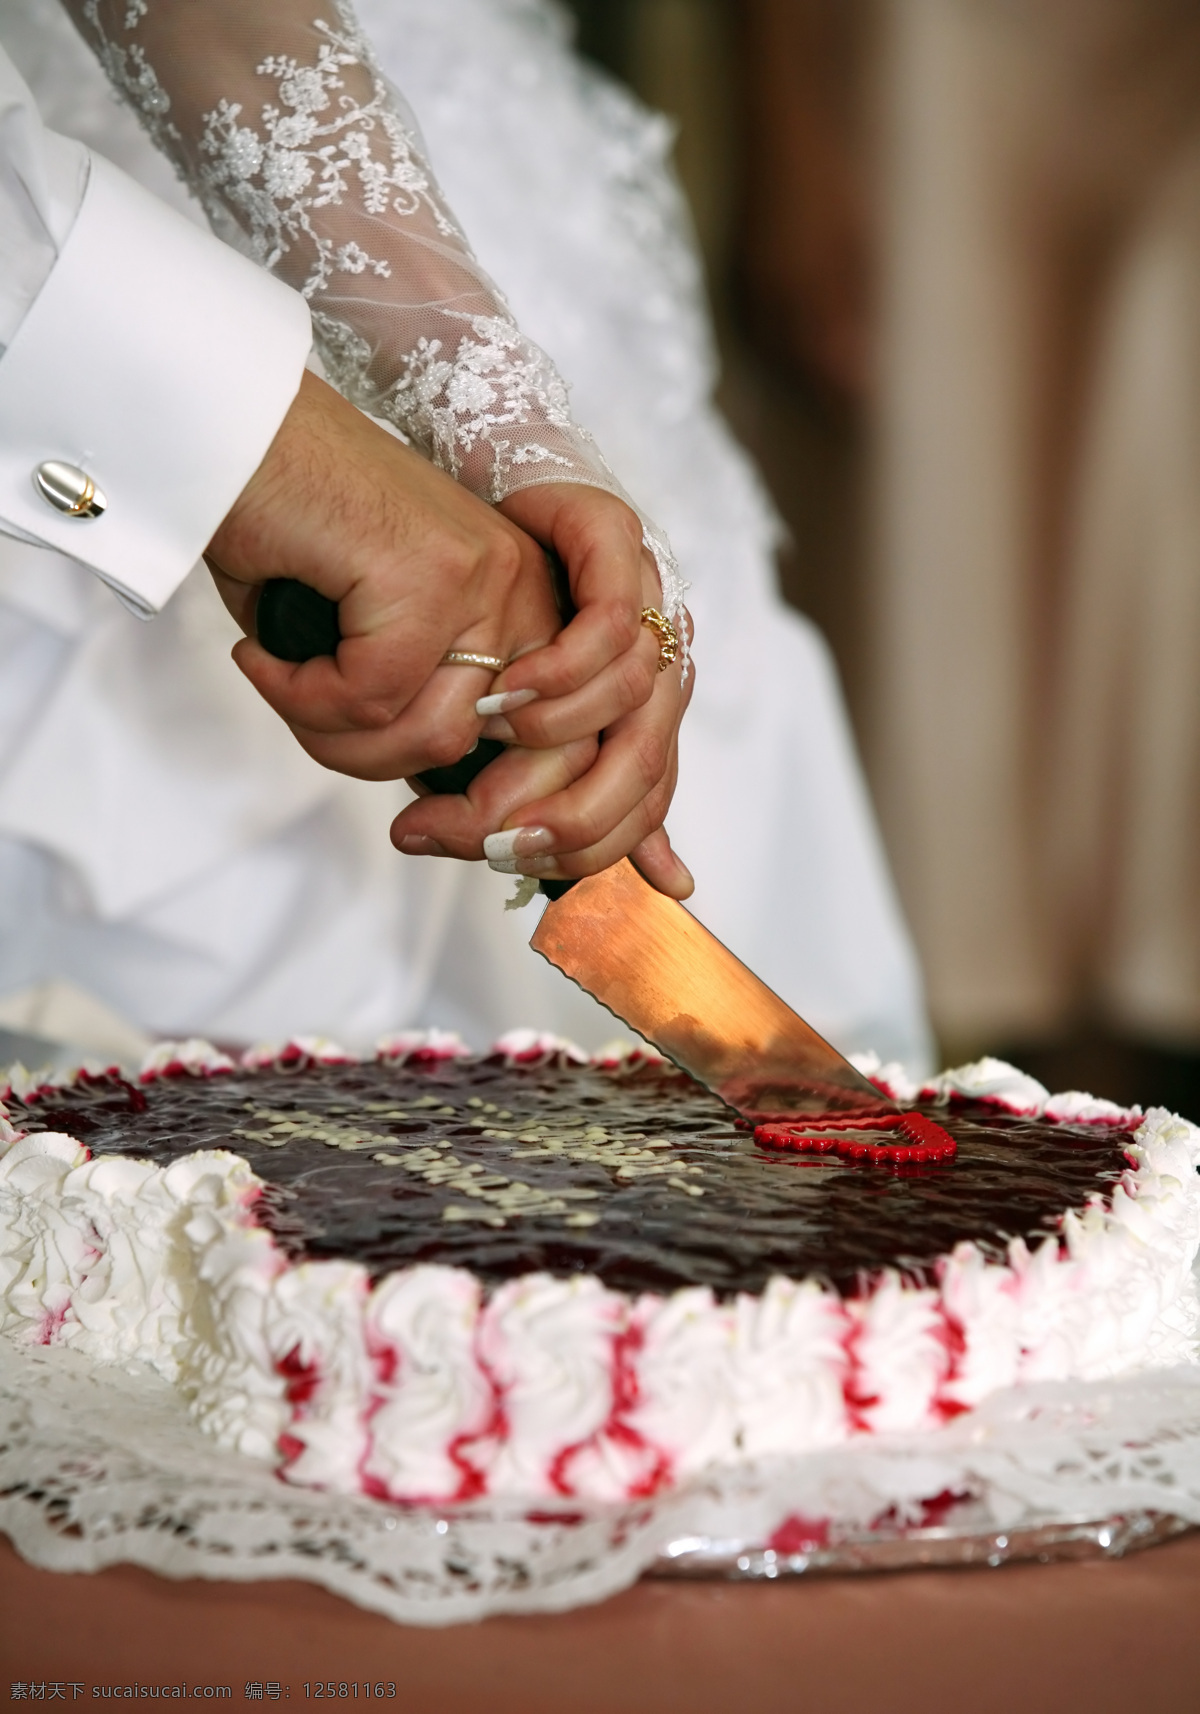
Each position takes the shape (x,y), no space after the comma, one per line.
(467,658)
(668,636)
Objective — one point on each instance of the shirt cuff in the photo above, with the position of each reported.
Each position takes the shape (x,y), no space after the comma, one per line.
(159,363)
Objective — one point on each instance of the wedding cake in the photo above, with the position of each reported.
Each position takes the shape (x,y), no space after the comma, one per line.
(431,1276)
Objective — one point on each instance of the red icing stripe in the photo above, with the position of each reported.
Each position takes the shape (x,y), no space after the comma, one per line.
(655,1464)
(301,1379)
(858,1399)
(919,1138)
(493,1433)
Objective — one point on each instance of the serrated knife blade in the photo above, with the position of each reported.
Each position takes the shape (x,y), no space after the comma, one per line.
(658,969)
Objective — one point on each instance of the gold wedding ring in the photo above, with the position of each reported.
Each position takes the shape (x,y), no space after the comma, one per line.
(668,636)
(465,658)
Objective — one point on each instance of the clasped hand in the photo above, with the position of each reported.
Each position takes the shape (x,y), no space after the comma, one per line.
(419,567)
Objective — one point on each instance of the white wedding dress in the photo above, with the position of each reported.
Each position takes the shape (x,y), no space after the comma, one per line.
(164,844)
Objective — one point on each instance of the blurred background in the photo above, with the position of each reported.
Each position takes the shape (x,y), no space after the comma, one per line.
(953,251)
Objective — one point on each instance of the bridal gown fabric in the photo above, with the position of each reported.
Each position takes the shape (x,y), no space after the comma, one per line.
(168,848)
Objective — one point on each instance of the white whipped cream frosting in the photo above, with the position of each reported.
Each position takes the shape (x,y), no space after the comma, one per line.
(990,1080)
(431,1396)
(422,1388)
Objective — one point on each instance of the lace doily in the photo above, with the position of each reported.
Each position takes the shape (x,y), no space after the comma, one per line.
(101,1466)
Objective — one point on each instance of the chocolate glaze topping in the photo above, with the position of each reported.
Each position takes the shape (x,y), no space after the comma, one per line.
(638,1176)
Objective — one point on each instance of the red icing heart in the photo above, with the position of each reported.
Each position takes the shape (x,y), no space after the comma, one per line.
(923,1138)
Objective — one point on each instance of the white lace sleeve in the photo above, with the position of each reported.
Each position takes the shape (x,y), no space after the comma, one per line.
(280,121)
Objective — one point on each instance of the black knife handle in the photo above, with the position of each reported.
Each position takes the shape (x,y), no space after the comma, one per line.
(295,622)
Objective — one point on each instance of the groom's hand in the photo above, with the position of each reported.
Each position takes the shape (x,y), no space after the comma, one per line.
(417,565)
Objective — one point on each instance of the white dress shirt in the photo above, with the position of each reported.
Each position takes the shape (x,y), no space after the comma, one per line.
(138,350)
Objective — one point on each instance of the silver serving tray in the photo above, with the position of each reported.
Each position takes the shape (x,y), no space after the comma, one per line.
(957,1540)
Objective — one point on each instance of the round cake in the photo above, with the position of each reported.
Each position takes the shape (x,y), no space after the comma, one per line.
(427,1276)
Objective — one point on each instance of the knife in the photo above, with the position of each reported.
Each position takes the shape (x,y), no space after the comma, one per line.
(642,955)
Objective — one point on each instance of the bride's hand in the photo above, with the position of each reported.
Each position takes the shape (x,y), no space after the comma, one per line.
(605,663)
(525,818)
(571,810)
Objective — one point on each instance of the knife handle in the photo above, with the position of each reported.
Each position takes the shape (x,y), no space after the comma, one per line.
(295,622)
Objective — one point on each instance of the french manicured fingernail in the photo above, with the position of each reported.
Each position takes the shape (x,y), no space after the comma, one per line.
(419,845)
(524,865)
(504,702)
(517,842)
(499,727)
(537,865)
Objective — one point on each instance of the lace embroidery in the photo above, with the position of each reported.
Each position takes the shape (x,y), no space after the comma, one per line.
(495,379)
(276,179)
(132,75)
(328,177)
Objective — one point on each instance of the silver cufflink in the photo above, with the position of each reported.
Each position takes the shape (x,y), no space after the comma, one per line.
(68,490)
